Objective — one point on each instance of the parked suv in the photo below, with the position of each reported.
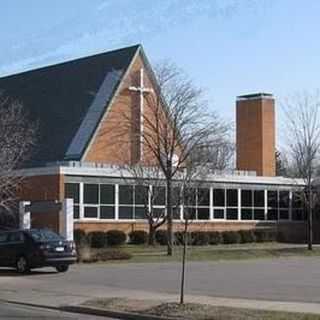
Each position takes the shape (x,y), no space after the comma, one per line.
(35,248)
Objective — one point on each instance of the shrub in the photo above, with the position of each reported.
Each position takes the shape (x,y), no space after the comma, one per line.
(215,237)
(97,239)
(112,254)
(179,238)
(200,238)
(264,235)
(80,237)
(161,237)
(138,237)
(116,237)
(247,236)
(230,237)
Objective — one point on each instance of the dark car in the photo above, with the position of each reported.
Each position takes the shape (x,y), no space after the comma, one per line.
(35,248)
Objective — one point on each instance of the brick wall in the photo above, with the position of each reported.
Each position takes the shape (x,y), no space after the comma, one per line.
(255,121)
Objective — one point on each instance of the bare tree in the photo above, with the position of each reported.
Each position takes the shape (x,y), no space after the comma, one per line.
(177,123)
(17,138)
(148,181)
(303,129)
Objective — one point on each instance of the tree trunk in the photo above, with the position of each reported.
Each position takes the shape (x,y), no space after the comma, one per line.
(310,227)
(169,211)
(152,233)
(185,240)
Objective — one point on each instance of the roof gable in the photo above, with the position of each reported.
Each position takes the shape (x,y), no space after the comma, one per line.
(68,100)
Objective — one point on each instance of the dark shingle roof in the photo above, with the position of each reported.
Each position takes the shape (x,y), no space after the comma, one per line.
(59,97)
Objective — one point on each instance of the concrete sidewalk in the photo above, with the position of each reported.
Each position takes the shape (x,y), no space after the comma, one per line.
(58,299)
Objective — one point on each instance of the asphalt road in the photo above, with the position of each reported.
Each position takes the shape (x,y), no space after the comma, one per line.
(292,279)
(16,312)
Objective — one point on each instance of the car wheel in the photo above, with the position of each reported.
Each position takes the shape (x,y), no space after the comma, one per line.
(22,265)
(62,268)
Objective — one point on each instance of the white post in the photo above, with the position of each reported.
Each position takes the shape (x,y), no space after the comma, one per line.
(24,215)
(66,219)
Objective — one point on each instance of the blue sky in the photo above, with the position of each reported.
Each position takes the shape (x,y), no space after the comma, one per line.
(229,47)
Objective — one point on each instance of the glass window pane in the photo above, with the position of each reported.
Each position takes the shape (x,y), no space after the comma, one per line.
(160,212)
(125,194)
(203,197)
(246,214)
(141,195)
(90,193)
(218,214)
(258,198)
(272,199)
(107,212)
(90,212)
(140,212)
(159,195)
(107,194)
(76,214)
(272,214)
(232,198)
(284,199)
(258,214)
(125,213)
(218,198)
(297,214)
(176,196)
(176,213)
(232,214)
(189,195)
(246,198)
(203,213)
(71,190)
(284,214)
(297,200)
(189,213)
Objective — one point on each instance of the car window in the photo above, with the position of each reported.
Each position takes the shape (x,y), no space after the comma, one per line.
(15,237)
(3,237)
(44,235)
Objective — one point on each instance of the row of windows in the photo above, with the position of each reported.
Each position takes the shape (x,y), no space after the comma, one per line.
(100,201)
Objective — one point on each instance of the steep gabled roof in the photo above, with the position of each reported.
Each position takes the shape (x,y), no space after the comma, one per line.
(68,100)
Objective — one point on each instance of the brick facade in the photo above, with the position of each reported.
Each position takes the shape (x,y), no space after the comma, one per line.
(255,119)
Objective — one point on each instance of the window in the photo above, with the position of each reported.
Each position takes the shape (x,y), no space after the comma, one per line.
(107,194)
(246,204)
(126,202)
(272,213)
(298,212)
(72,191)
(107,212)
(159,196)
(219,197)
(91,193)
(232,204)
(90,212)
(284,204)
(219,203)
(258,201)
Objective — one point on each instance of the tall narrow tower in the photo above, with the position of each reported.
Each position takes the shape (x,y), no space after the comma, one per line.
(255,120)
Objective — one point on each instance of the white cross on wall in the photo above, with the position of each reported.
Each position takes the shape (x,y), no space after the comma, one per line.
(142,90)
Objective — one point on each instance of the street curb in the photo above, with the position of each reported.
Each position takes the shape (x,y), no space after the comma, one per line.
(92,311)
(113,314)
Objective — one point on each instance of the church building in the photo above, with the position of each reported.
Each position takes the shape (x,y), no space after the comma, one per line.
(79,106)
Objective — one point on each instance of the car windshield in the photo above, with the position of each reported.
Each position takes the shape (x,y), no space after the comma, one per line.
(44,235)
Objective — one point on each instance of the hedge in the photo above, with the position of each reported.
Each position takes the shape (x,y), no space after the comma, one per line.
(138,237)
(231,237)
(115,237)
(200,238)
(215,237)
(247,236)
(97,239)
(161,237)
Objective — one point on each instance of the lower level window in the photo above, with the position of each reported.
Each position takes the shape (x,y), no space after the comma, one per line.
(246,214)
(284,215)
(203,214)
(107,212)
(272,214)
(218,213)
(232,214)
(76,212)
(125,212)
(90,212)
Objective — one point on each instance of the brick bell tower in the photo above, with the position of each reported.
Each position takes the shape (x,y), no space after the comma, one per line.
(255,121)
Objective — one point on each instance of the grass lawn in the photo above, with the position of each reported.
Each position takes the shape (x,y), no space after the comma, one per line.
(192,311)
(144,254)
